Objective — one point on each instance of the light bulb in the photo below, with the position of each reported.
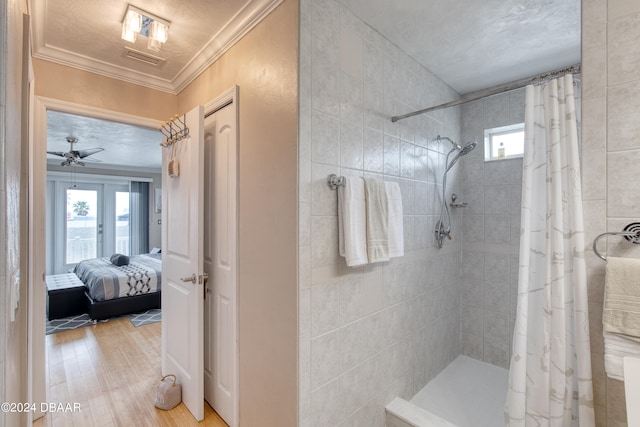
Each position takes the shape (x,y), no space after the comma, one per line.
(158,31)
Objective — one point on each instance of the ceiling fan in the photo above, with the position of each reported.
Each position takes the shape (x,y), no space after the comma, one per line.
(74,157)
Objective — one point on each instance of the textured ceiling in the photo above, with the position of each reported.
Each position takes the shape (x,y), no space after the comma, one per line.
(122,143)
(87,34)
(472,44)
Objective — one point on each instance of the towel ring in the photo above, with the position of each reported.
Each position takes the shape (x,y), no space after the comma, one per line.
(631,232)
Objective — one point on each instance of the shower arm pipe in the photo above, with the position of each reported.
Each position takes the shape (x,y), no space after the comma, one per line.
(474,96)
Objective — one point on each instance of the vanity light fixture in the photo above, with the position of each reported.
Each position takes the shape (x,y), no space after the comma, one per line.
(137,21)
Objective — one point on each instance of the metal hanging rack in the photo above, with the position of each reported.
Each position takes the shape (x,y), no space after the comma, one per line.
(173,130)
(631,233)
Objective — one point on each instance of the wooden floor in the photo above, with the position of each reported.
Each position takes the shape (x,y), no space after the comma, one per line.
(111,370)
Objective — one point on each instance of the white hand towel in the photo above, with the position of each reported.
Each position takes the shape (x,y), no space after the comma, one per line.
(352,233)
(396,219)
(621,312)
(615,348)
(377,220)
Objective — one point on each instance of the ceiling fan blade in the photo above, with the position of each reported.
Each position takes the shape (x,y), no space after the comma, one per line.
(57,153)
(85,153)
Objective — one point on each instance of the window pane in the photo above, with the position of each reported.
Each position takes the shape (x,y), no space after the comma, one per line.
(504,142)
(82,225)
(122,222)
(513,144)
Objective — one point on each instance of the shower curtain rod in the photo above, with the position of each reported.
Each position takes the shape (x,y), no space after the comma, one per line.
(574,69)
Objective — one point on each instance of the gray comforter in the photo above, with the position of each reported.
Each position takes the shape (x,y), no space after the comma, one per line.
(105,281)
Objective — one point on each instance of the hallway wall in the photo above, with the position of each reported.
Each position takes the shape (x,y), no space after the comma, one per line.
(264,64)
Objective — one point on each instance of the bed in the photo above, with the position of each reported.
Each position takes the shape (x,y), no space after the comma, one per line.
(113,290)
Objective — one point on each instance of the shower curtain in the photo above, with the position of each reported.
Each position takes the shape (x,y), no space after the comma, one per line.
(550,374)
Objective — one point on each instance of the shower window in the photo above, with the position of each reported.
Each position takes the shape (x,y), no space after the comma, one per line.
(505,142)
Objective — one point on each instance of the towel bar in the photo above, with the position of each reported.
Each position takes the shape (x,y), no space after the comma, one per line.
(631,232)
(334,181)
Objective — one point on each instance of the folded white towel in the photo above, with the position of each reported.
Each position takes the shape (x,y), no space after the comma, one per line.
(396,219)
(615,348)
(621,312)
(352,232)
(377,220)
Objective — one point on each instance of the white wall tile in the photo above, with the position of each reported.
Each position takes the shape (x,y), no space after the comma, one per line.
(496,111)
(621,8)
(367,318)
(324,235)
(496,327)
(391,155)
(373,151)
(472,265)
(325,138)
(473,229)
(497,229)
(496,199)
(471,321)
(325,359)
(360,295)
(351,145)
(324,200)
(622,195)
(623,126)
(327,405)
(351,53)
(472,293)
(325,308)
(623,49)
(497,297)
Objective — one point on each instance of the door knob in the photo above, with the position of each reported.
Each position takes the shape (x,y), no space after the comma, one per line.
(193,279)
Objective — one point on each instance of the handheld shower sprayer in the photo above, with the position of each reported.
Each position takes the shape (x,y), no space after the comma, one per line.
(443,229)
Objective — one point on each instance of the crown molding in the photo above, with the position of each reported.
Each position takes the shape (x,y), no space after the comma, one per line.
(240,24)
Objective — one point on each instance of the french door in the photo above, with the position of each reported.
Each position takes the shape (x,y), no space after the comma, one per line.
(89,220)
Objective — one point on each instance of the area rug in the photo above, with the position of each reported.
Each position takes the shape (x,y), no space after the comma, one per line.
(150,316)
(82,320)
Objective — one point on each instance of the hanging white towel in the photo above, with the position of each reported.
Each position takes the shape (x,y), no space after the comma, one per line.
(377,220)
(352,232)
(616,347)
(396,219)
(621,312)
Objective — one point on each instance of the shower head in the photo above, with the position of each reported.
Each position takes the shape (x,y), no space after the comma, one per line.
(467,148)
(463,152)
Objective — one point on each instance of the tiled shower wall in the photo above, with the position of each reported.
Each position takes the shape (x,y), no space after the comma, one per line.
(490,233)
(372,333)
(611,154)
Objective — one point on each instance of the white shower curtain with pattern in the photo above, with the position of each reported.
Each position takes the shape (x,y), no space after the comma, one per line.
(550,374)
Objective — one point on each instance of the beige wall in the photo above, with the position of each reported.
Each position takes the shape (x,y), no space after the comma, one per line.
(610,155)
(264,65)
(13,139)
(80,87)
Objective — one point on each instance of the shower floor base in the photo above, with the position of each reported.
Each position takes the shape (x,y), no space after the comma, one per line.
(467,393)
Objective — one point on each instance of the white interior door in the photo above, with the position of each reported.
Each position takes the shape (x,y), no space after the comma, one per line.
(221,344)
(182,259)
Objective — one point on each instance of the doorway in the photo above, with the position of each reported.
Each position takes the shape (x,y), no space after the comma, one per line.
(39,222)
(227,353)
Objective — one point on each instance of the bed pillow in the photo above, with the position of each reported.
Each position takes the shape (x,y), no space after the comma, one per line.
(119,260)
